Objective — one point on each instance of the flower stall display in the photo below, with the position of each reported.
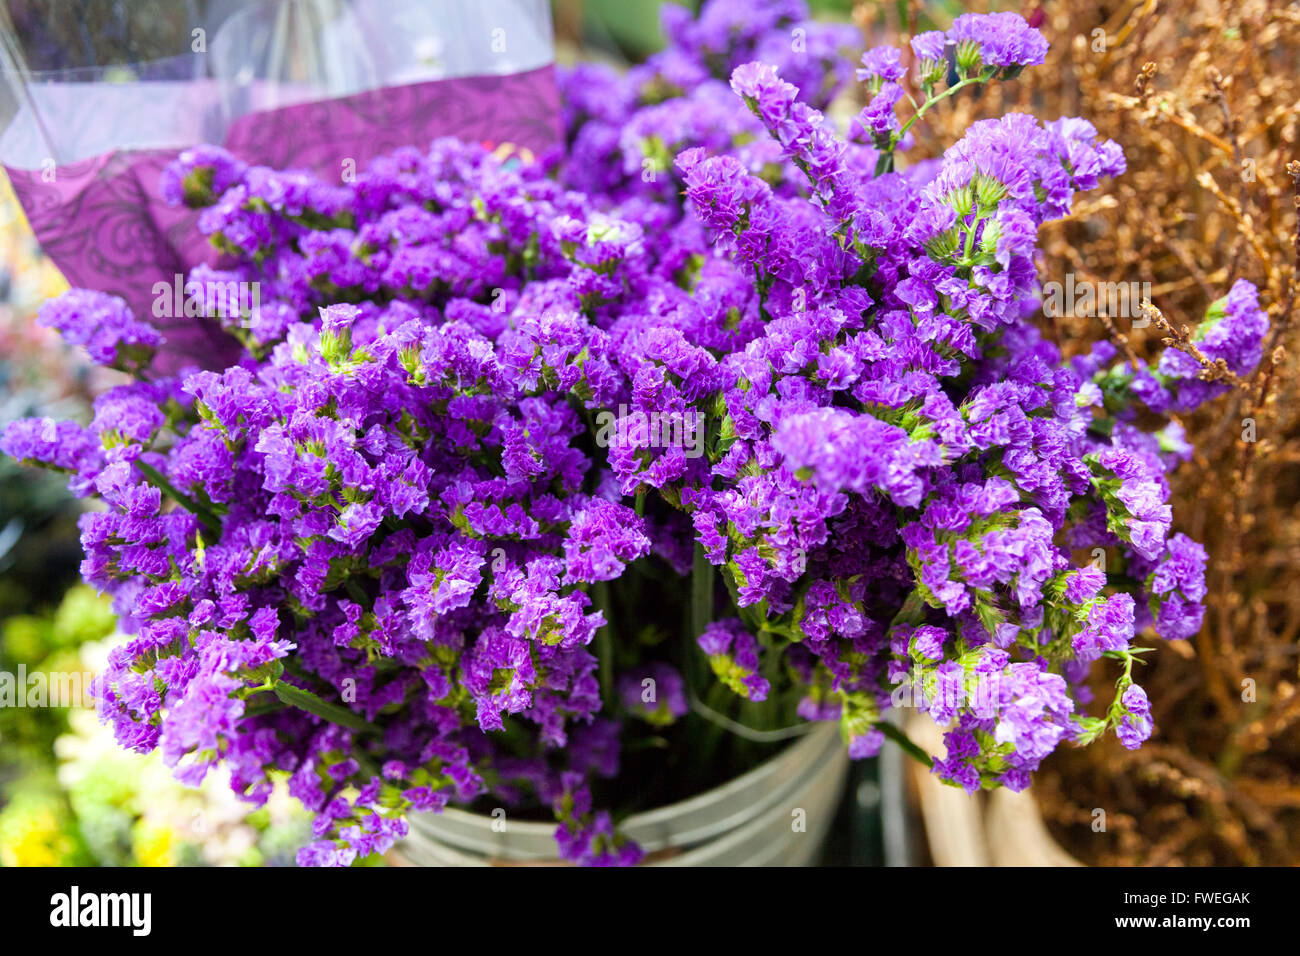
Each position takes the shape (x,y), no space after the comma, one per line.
(517,453)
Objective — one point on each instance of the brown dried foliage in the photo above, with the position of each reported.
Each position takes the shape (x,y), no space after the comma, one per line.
(1204,96)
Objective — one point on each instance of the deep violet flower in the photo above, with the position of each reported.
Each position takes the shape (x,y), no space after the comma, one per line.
(488,405)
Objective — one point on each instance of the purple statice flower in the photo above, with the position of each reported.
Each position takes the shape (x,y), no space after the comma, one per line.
(1022,710)
(499,673)
(588,837)
(104,325)
(65,446)
(199,175)
(603,537)
(1133,724)
(1237,338)
(202,721)
(866,744)
(596,844)
(721,189)
(927,643)
(876,121)
(129,414)
(424,539)
(733,655)
(655,693)
(1109,627)
(929,46)
(1233,331)
(806,137)
(765,93)
(817,59)
(1002,40)
(856,452)
(1177,589)
(1032,713)
(957,767)
(814,55)
(932,64)
(882,63)
(1134,488)
(1084,584)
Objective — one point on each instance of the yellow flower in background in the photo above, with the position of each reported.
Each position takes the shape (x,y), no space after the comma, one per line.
(32,834)
(132,811)
(49,281)
(33,277)
(13,222)
(153,844)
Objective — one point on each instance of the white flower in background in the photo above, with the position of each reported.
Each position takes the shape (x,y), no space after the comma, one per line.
(131,808)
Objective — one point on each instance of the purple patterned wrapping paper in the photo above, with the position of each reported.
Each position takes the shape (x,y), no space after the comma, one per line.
(105,225)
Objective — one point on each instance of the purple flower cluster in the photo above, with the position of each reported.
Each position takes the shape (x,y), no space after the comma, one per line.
(1001,40)
(624,130)
(654,692)
(1133,717)
(104,325)
(371,555)
(1232,332)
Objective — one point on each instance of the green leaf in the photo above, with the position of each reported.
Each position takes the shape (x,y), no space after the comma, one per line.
(701,592)
(306,700)
(910,748)
(209,520)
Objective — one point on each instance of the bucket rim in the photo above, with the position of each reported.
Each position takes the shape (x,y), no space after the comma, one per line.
(811,751)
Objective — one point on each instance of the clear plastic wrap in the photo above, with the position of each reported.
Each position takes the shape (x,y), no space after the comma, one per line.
(97,96)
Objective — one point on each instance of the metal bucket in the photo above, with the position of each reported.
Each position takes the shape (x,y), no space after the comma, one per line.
(775,815)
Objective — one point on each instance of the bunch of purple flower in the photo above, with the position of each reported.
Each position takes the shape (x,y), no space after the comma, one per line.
(371,554)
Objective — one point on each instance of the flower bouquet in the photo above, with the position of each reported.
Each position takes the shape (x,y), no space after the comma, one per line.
(518,453)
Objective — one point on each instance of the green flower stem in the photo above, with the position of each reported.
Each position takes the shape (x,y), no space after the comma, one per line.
(701,592)
(306,700)
(910,748)
(897,137)
(603,601)
(970,237)
(210,522)
(885,163)
(745,731)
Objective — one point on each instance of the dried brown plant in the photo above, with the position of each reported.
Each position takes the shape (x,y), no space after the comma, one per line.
(1204,96)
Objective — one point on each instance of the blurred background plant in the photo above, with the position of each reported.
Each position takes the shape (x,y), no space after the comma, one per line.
(627,32)
(39,376)
(69,796)
(35,822)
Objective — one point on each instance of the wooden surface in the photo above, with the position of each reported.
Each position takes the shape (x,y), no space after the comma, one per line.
(999,828)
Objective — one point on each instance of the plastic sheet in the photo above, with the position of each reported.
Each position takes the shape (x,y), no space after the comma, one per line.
(97,97)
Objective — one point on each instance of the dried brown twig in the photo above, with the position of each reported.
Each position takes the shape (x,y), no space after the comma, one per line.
(1204,97)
